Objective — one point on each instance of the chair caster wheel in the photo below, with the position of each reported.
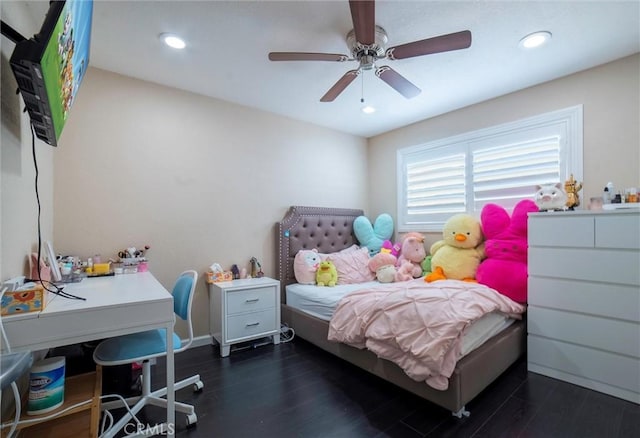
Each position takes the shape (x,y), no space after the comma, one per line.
(192,419)
(198,386)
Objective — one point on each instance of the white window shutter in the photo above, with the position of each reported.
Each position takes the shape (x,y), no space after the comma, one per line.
(502,164)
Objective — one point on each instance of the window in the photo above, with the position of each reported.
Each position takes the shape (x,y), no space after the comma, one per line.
(501,164)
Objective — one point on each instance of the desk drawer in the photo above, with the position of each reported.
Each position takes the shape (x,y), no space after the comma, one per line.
(251,324)
(251,300)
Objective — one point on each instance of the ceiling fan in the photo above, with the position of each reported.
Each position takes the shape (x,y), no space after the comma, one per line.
(367,42)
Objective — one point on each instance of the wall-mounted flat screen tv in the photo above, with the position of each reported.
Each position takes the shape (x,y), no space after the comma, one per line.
(50,66)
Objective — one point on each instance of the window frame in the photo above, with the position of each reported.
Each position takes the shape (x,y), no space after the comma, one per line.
(568,121)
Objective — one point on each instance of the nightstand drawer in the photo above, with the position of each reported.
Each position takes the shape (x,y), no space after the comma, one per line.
(251,300)
(250,324)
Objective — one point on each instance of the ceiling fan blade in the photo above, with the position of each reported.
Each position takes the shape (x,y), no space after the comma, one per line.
(364,20)
(442,43)
(301,56)
(339,86)
(397,82)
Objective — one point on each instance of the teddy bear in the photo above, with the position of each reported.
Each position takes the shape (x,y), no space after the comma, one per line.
(412,253)
(305,265)
(505,268)
(384,266)
(327,274)
(459,253)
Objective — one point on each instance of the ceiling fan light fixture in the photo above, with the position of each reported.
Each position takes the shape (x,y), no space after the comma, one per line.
(368,109)
(173,40)
(535,39)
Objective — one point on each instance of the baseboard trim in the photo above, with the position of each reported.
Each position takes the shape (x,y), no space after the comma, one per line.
(200,341)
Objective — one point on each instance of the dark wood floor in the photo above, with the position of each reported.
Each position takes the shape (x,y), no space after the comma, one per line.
(296,390)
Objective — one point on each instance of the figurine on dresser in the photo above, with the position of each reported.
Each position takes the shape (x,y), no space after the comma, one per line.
(572,187)
(550,197)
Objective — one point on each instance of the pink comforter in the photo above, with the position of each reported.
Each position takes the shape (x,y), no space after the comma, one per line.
(415,324)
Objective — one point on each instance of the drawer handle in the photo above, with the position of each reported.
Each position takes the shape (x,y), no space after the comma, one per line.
(253,300)
(253,324)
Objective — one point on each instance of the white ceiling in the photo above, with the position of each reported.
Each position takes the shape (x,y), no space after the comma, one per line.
(228,43)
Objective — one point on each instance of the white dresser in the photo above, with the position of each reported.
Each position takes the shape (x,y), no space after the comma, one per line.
(242,310)
(584,299)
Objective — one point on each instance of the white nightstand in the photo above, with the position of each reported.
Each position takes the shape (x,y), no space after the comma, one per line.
(242,310)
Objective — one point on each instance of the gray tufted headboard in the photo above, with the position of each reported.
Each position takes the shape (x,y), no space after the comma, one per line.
(327,229)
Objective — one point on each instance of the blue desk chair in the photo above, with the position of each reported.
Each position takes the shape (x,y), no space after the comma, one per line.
(141,347)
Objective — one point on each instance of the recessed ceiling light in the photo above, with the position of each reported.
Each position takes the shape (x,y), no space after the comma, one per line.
(172,40)
(535,39)
(368,109)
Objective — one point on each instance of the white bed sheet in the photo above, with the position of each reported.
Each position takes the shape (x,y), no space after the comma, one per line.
(321,302)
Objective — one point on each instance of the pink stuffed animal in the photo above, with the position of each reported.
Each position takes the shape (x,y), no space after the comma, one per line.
(390,248)
(411,255)
(305,266)
(505,268)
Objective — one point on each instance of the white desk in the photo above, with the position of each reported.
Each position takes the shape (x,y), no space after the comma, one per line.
(114,306)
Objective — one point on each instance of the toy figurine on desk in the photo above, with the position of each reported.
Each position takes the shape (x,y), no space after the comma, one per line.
(256,268)
(132,252)
(572,187)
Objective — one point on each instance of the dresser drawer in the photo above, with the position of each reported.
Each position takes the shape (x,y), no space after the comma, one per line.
(251,300)
(595,369)
(609,234)
(545,229)
(607,300)
(606,334)
(251,324)
(600,265)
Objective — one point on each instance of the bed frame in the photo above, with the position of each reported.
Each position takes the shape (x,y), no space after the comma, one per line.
(330,230)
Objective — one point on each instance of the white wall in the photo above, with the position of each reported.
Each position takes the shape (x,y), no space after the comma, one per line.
(610,95)
(18,207)
(197,179)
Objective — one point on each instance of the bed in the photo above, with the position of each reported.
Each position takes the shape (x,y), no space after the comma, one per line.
(330,230)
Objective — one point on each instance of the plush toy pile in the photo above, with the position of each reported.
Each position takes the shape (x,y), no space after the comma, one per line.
(505,268)
(459,253)
(379,256)
(499,262)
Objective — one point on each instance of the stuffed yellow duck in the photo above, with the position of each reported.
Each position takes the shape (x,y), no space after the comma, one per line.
(460,252)
(327,274)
